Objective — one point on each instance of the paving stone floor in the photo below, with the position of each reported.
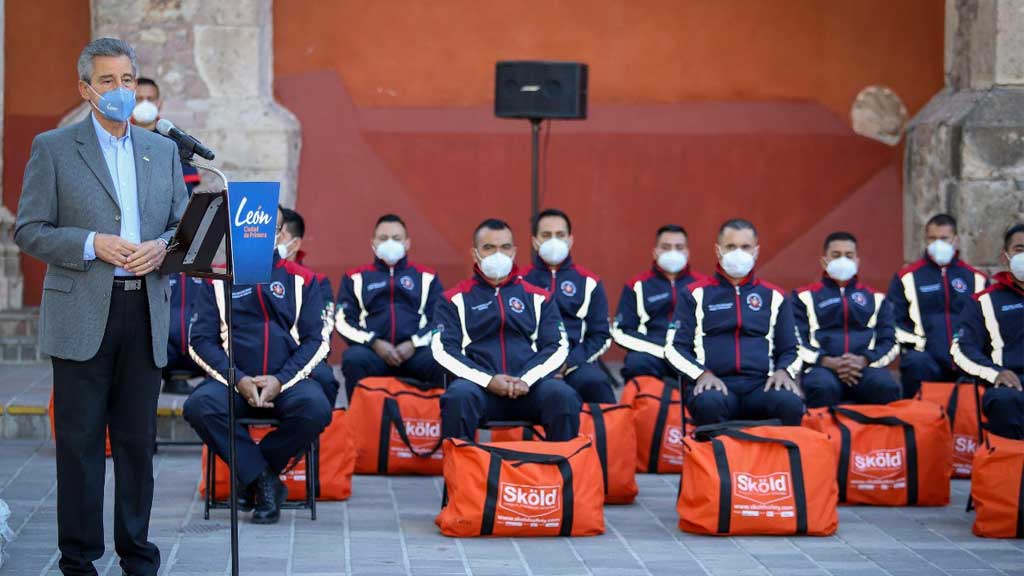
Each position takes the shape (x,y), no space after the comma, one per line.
(387,528)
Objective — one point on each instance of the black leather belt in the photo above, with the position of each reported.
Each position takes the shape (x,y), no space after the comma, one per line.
(128,284)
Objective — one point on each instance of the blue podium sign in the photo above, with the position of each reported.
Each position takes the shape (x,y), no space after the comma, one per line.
(252,207)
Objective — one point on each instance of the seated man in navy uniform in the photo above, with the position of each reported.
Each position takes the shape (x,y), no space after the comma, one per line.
(581,300)
(502,338)
(281,333)
(648,303)
(846,332)
(735,341)
(990,341)
(385,311)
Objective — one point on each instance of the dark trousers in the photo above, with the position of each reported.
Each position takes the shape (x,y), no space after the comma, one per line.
(591,383)
(358,362)
(551,403)
(917,367)
(644,364)
(118,387)
(876,386)
(1004,408)
(302,410)
(747,400)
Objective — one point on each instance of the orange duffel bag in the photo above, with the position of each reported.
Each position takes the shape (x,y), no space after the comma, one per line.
(997,488)
(748,478)
(396,427)
(897,454)
(660,428)
(522,489)
(961,407)
(613,430)
(336,462)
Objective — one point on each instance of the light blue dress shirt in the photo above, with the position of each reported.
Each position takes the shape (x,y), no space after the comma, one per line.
(119,155)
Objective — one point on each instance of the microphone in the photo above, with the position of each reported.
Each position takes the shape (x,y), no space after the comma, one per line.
(187,145)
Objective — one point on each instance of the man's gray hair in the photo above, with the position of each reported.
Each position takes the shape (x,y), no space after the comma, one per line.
(104,47)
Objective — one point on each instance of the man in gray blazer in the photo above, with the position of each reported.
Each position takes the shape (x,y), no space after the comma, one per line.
(100,201)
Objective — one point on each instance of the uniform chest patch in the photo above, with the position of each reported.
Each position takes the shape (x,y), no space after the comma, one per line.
(277,289)
(930,288)
(754,302)
(658,297)
(376,286)
(859,299)
(407,283)
(516,305)
(568,288)
(959,285)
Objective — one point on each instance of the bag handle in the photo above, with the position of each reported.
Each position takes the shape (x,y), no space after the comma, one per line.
(493,480)
(909,441)
(525,457)
(601,439)
(659,426)
(954,399)
(796,469)
(392,415)
(708,431)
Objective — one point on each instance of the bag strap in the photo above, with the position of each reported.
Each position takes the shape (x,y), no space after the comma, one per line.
(909,442)
(493,480)
(724,486)
(982,437)
(796,469)
(601,439)
(524,457)
(659,427)
(1020,506)
(709,431)
(954,399)
(392,415)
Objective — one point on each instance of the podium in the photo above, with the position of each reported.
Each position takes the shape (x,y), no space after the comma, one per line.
(205,224)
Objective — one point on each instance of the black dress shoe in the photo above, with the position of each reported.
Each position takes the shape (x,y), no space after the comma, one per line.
(245,497)
(270,494)
(177,387)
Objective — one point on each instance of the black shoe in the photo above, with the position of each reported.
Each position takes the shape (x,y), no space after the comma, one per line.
(178,387)
(245,497)
(270,494)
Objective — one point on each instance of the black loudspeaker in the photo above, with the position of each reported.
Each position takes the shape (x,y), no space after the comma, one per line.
(540,90)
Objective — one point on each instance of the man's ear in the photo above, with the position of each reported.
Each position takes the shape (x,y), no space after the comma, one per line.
(535,243)
(298,244)
(824,263)
(407,243)
(569,241)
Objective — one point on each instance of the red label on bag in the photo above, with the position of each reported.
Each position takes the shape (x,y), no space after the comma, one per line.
(672,445)
(964,446)
(529,504)
(423,434)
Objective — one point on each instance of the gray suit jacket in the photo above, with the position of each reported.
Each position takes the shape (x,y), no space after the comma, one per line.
(67,193)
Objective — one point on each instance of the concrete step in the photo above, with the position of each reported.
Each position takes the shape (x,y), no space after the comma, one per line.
(19,336)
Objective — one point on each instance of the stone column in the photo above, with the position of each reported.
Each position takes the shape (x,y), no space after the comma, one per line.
(213,62)
(11,280)
(965,149)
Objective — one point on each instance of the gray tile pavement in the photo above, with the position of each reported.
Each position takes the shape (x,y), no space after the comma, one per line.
(387,528)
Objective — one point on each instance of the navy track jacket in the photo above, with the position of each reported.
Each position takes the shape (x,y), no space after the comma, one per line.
(744,330)
(834,320)
(583,305)
(927,299)
(647,307)
(282,328)
(990,334)
(513,328)
(394,303)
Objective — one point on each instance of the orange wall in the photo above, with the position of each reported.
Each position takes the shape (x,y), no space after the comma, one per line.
(442,53)
(42,41)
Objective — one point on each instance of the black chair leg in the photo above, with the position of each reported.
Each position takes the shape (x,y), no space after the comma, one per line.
(211,482)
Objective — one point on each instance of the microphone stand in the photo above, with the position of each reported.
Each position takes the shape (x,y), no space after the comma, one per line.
(228,278)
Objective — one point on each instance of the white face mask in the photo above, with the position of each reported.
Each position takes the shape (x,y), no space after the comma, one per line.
(283,250)
(672,261)
(1017,266)
(942,252)
(554,251)
(145,112)
(390,251)
(841,269)
(496,266)
(737,263)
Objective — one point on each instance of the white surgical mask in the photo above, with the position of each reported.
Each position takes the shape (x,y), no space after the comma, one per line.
(841,269)
(390,251)
(942,252)
(145,112)
(554,251)
(1017,266)
(496,266)
(283,250)
(672,261)
(737,263)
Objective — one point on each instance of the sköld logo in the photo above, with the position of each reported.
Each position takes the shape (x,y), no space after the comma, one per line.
(879,463)
(761,489)
(530,501)
(965,444)
(423,433)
